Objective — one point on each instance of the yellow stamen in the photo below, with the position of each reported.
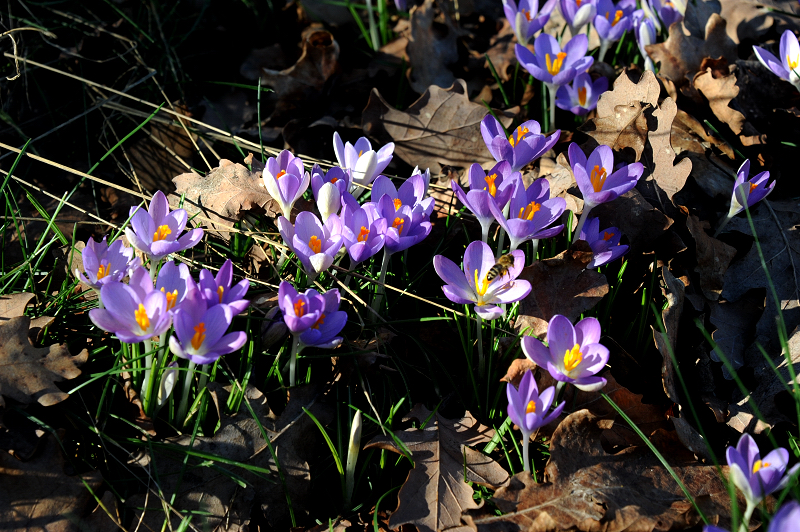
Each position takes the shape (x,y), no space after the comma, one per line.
(531,408)
(617,17)
(299,311)
(527,212)
(482,286)
(398,224)
(363,234)
(199,335)
(141,317)
(319,322)
(572,358)
(220,292)
(582,96)
(554,65)
(759,465)
(397,204)
(527,14)
(315,244)
(102,271)
(280,174)
(161,233)
(521,132)
(607,235)
(490,186)
(360,152)
(172,298)
(598,178)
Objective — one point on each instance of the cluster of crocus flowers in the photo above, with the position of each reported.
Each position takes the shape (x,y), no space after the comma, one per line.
(746,192)
(314,319)
(553,65)
(527,19)
(485,188)
(581,97)
(528,409)
(787,66)
(604,243)
(524,145)
(104,263)
(577,13)
(612,21)
(597,179)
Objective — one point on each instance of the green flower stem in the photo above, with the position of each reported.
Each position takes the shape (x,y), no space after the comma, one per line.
(205,370)
(551,89)
(748,513)
(485,235)
(722,224)
(187,385)
(526,459)
(153,269)
(296,348)
(581,221)
(376,303)
(604,44)
(481,359)
(559,393)
(149,377)
(501,240)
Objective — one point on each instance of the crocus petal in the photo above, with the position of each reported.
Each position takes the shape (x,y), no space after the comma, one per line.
(536,351)
(588,331)
(560,335)
(489,312)
(590,384)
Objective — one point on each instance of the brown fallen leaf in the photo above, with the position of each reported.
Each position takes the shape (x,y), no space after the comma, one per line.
(435,492)
(38,495)
(638,220)
(587,489)
(682,53)
(218,499)
(13,305)
(30,373)
(432,47)
(501,50)
(441,127)
(661,174)
(560,285)
(750,21)
(713,256)
(736,323)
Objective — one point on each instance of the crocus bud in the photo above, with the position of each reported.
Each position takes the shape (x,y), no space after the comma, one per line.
(329,200)
(167,384)
(352,458)
(364,172)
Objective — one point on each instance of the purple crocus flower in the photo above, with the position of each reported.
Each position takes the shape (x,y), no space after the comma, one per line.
(747,193)
(670,11)
(130,317)
(527,19)
(573,354)
(644,28)
(410,193)
(339,177)
(175,282)
(577,13)
(524,145)
(314,243)
(104,263)
(605,244)
(757,477)
(787,519)
(612,21)
(286,180)
(531,211)
(200,333)
(528,410)
(331,321)
(472,286)
(552,65)
(156,230)
(785,67)
(218,290)
(582,96)
(404,228)
(400,4)
(363,162)
(362,231)
(300,311)
(496,186)
(596,177)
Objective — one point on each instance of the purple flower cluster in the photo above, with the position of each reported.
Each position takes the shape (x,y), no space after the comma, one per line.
(612,21)
(527,19)
(157,231)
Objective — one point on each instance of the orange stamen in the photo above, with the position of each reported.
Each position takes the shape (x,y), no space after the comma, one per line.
(397,204)
(363,234)
(299,309)
(753,186)
(280,174)
(172,298)
(521,132)
(759,465)
(315,244)
(554,66)
(161,233)
(319,322)
(598,178)
(792,64)
(490,186)
(398,224)
(140,315)
(199,335)
(334,179)
(527,14)
(102,271)
(617,17)
(531,408)
(582,96)
(607,235)
(220,292)
(529,210)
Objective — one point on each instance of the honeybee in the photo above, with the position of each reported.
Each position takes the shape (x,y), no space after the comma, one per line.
(504,262)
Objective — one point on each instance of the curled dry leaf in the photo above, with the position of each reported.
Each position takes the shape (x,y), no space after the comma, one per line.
(560,285)
(713,256)
(38,495)
(432,47)
(30,373)
(751,20)
(13,305)
(442,127)
(435,492)
(638,220)
(587,489)
(661,174)
(691,140)
(736,324)
(218,499)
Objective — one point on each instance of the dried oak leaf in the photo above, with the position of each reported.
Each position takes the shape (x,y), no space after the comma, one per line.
(442,127)
(435,492)
(224,195)
(432,47)
(38,495)
(30,373)
(751,21)
(560,285)
(638,220)
(682,53)
(13,305)
(713,257)
(661,174)
(501,50)
(219,499)
(590,490)
(691,140)
(736,323)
